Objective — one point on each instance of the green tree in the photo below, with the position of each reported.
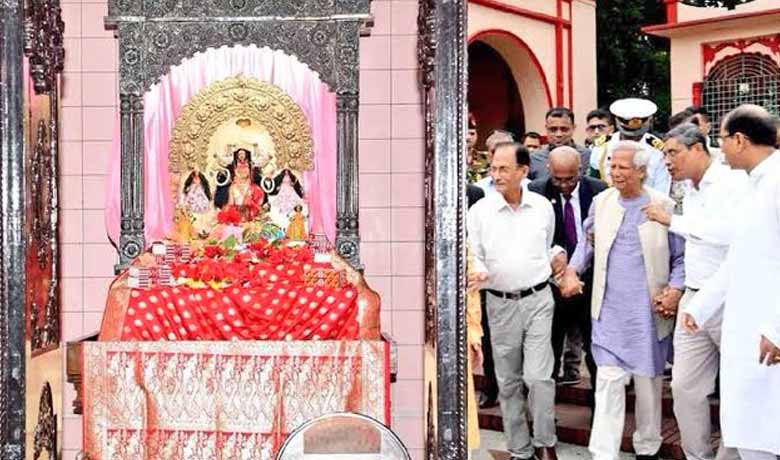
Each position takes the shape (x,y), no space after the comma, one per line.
(631,63)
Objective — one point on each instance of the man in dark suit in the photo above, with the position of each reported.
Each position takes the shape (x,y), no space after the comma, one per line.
(489,387)
(570,194)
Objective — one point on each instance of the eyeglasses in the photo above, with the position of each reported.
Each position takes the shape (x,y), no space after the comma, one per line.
(672,153)
(600,127)
(722,139)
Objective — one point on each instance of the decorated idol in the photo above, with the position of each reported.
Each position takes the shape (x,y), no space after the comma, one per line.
(240,187)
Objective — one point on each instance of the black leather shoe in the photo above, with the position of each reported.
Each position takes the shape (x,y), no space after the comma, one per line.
(647,457)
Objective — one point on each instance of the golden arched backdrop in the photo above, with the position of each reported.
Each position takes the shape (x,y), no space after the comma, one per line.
(287,134)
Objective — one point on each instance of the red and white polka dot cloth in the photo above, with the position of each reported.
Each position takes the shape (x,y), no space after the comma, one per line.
(282,310)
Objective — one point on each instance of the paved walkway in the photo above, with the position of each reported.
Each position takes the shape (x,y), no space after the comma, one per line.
(493,447)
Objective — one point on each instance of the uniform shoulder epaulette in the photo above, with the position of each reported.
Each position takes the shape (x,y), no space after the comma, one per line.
(654,141)
(599,141)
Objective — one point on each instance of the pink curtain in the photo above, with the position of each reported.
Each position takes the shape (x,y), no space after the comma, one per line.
(163,104)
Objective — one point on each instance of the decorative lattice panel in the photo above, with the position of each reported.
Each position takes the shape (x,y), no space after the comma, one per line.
(746,78)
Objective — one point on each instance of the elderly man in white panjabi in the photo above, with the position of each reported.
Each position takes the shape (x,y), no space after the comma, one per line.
(638,274)
(750,390)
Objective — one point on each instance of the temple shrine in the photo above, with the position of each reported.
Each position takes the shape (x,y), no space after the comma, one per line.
(234,229)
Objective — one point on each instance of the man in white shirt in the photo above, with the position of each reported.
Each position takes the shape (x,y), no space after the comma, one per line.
(489,396)
(747,281)
(511,233)
(708,224)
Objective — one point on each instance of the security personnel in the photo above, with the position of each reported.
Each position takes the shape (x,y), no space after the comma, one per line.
(478,161)
(633,118)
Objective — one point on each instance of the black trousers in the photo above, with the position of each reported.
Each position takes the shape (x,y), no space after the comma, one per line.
(573,311)
(490,388)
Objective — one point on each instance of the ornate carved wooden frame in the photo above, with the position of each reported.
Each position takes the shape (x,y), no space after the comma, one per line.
(12,251)
(155,35)
(30,242)
(442,59)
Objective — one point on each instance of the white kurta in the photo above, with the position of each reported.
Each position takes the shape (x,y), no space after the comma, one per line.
(748,280)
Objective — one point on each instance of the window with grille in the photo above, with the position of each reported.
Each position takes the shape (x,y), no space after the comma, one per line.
(746,78)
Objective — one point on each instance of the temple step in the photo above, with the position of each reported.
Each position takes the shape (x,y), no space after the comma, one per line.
(573,427)
(573,419)
(578,395)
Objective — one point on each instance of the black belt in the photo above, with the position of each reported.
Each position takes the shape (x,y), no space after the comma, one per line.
(517,295)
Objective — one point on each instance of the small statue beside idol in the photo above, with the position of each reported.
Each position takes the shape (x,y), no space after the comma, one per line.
(296,229)
(184,230)
(287,193)
(196,195)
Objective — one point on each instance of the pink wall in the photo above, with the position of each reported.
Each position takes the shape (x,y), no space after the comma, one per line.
(528,44)
(391,165)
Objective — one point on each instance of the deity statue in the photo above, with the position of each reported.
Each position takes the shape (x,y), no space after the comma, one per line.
(239,186)
(196,195)
(296,230)
(287,193)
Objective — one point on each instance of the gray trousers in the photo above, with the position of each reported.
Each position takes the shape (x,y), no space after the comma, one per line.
(520,336)
(696,364)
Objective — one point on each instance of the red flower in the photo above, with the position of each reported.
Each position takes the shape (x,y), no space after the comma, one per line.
(264,249)
(229,215)
(260,245)
(179,270)
(213,252)
(244,257)
(304,254)
(208,270)
(277,257)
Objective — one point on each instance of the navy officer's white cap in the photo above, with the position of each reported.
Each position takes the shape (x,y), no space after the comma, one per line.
(633,108)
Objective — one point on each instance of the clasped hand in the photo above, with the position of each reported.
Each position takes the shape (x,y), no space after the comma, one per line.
(569,283)
(666,302)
